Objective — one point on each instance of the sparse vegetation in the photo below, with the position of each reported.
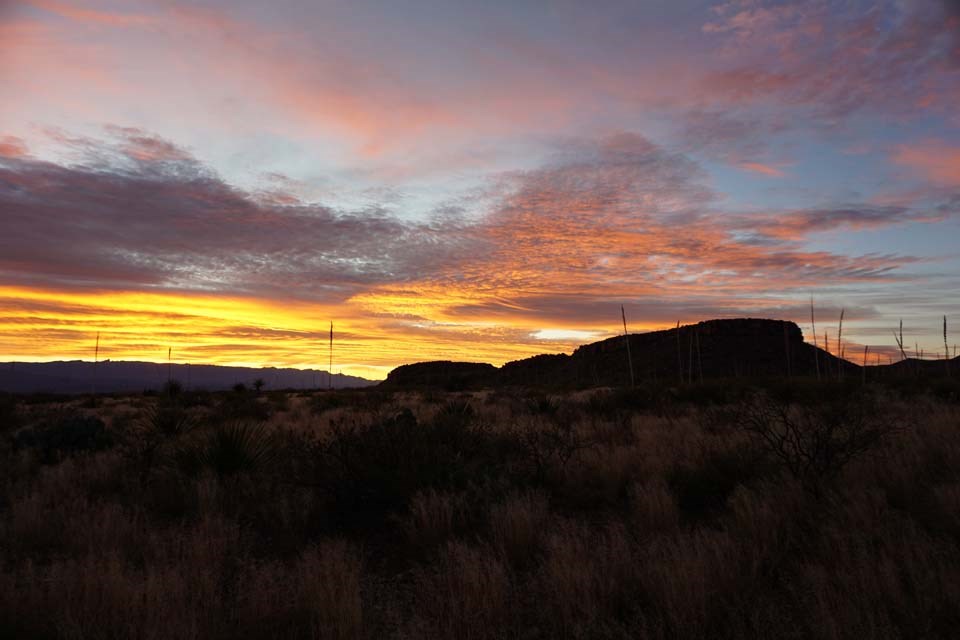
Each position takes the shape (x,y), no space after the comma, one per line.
(814,510)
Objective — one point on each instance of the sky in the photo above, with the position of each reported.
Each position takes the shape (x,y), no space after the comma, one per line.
(479,181)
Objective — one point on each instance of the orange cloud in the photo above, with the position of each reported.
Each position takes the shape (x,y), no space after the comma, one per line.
(937,162)
(12,147)
(91,16)
(765,169)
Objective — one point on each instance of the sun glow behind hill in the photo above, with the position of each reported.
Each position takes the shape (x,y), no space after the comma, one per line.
(45,325)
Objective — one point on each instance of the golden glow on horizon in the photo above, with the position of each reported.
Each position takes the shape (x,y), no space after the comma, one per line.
(373,333)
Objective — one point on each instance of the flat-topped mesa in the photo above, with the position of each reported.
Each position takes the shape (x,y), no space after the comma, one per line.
(442,374)
(743,347)
(711,349)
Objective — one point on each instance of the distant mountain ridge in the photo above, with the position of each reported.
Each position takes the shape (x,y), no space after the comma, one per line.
(727,348)
(109,376)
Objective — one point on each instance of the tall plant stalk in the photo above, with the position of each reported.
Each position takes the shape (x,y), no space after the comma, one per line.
(840,347)
(626,337)
(866,348)
(96,358)
(679,354)
(946,347)
(816,348)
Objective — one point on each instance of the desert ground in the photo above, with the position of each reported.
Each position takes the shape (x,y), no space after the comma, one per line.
(774,509)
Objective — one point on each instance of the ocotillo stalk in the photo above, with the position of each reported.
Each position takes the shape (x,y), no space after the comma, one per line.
(813,326)
(626,337)
(946,348)
(699,355)
(330,365)
(899,339)
(96,357)
(840,347)
(865,349)
(679,354)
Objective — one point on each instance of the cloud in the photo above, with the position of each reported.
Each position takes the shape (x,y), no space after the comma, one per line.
(615,216)
(138,211)
(12,147)
(618,219)
(623,219)
(933,160)
(91,16)
(759,167)
(834,60)
(797,225)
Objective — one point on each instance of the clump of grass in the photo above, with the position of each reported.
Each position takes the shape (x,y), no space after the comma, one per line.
(517,526)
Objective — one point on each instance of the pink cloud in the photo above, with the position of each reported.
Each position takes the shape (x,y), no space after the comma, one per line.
(933,160)
(837,59)
(765,169)
(91,16)
(12,147)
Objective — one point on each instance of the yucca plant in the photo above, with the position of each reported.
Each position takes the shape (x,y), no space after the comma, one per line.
(155,435)
(235,448)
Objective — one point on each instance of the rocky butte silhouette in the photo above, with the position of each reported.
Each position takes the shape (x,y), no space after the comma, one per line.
(727,348)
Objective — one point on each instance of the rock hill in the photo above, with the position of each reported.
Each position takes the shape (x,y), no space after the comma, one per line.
(745,347)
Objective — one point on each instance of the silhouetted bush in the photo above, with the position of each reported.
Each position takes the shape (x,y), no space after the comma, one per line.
(230,449)
(372,470)
(64,435)
(241,404)
(9,416)
(327,400)
(703,487)
(815,442)
(171,389)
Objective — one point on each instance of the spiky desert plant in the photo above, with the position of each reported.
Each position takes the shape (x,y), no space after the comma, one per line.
(238,447)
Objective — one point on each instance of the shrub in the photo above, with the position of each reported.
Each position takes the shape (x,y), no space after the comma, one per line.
(231,449)
(373,469)
(64,435)
(517,526)
(465,595)
(9,417)
(815,442)
(434,516)
(703,486)
(160,425)
(241,404)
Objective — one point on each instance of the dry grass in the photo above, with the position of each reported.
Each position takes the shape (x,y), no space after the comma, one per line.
(606,522)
